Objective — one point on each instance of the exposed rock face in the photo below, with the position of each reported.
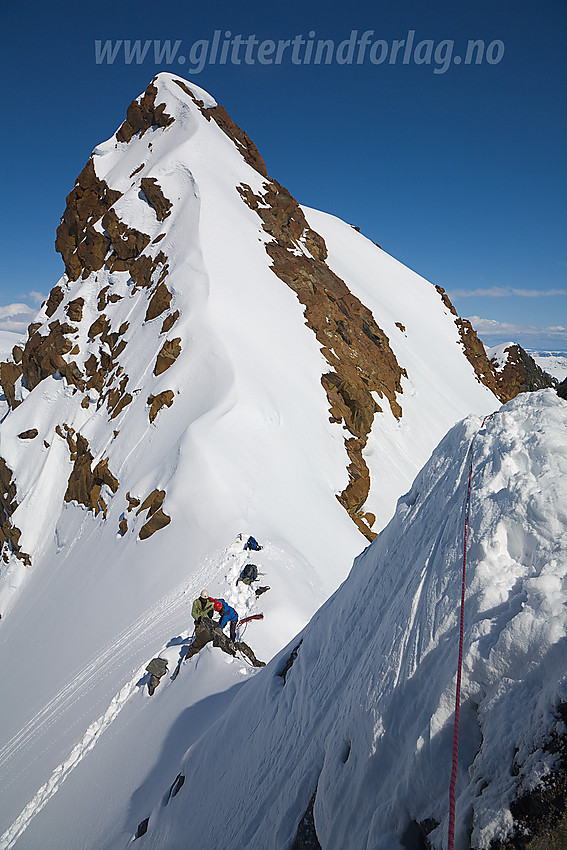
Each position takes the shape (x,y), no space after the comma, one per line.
(30,434)
(127,242)
(82,247)
(561,389)
(156,519)
(473,347)
(520,374)
(74,309)
(159,302)
(54,300)
(143,267)
(540,816)
(9,534)
(362,362)
(85,484)
(9,374)
(155,197)
(289,663)
(43,354)
(169,322)
(176,786)
(143,114)
(142,828)
(156,402)
(170,351)
(133,502)
(92,236)
(306,838)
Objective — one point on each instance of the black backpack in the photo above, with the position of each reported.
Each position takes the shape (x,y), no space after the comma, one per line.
(248,574)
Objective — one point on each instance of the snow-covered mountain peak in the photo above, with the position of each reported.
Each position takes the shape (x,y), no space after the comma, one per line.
(216,359)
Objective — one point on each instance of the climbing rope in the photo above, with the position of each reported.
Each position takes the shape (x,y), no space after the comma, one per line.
(244,622)
(452,786)
(454,764)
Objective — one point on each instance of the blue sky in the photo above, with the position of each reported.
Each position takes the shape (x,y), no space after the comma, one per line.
(456,169)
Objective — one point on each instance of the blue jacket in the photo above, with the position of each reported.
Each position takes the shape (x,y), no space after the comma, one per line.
(226,614)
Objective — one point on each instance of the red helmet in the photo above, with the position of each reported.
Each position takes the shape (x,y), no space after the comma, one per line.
(218,605)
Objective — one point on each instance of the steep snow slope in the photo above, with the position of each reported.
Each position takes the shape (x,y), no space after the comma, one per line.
(363,718)
(170,387)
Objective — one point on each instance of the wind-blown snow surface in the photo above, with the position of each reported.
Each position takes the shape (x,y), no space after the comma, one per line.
(365,715)
(246,446)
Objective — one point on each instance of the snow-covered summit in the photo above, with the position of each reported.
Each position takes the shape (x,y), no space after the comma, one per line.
(203,331)
(216,359)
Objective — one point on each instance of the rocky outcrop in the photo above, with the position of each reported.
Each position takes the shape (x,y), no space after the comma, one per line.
(142,114)
(156,522)
(168,354)
(9,533)
(54,300)
(362,362)
(159,302)
(156,402)
(133,502)
(30,434)
(176,786)
(85,483)
(156,519)
(169,322)
(157,668)
(562,390)
(127,242)
(82,247)
(519,374)
(306,837)
(472,346)
(142,828)
(540,815)
(43,354)
(289,663)
(74,309)
(9,374)
(155,197)
(152,502)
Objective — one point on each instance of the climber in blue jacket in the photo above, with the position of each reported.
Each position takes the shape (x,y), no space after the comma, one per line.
(227,615)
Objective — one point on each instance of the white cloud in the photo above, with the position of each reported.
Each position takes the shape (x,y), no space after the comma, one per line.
(492,326)
(38,297)
(16,317)
(15,310)
(495,332)
(505,292)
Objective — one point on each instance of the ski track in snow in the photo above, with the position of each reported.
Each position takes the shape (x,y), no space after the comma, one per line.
(86,679)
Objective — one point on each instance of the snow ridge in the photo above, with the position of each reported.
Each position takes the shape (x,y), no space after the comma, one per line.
(364,718)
